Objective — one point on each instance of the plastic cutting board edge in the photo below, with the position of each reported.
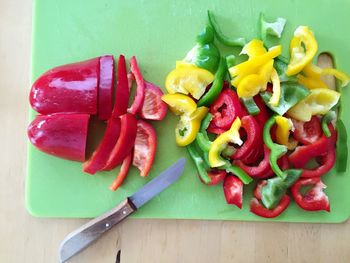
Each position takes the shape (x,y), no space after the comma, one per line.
(159,33)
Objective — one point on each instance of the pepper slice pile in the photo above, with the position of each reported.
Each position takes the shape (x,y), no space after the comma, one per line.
(240,139)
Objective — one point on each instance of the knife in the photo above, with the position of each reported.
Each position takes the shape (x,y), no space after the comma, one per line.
(82,237)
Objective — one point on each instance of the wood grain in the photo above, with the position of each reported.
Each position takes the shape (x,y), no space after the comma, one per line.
(28,239)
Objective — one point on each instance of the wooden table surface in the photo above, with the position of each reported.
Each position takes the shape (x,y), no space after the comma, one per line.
(28,239)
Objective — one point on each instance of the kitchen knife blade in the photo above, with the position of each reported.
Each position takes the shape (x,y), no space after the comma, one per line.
(82,237)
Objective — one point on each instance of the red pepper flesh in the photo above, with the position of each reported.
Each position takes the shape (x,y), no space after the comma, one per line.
(225,109)
(122,173)
(263,115)
(216,176)
(326,162)
(124,143)
(314,199)
(63,135)
(145,147)
(307,132)
(122,91)
(233,190)
(257,208)
(68,88)
(140,90)
(105,87)
(100,156)
(153,108)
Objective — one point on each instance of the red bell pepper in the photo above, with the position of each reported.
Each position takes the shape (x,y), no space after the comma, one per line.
(140,90)
(326,162)
(263,115)
(225,109)
(314,199)
(254,141)
(153,108)
(63,135)
(145,147)
(105,87)
(68,88)
(216,176)
(259,209)
(303,154)
(263,169)
(101,155)
(124,143)
(307,132)
(122,92)
(122,173)
(233,190)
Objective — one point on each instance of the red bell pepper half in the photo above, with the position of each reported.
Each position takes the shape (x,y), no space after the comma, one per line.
(314,199)
(307,132)
(105,87)
(122,92)
(233,190)
(122,173)
(153,108)
(140,90)
(67,88)
(145,147)
(225,109)
(124,143)
(101,155)
(63,135)
(259,209)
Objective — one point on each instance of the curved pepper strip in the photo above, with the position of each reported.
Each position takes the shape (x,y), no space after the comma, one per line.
(122,173)
(271,28)
(237,171)
(303,48)
(259,209)
(276,89)
(342,147)
(325,161)
(125,141)
(220,143)
(140,91)
(276,188)
(122,91)
(202,136)
(314,199)
(217,86)
(179,103)
(284,126)
(277,150)
(326,119)
(254,48)
(254,138)
(200,164)
(234,42)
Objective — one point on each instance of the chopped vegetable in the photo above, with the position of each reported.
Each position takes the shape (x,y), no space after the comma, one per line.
(122,92)
(124,169)
(105,87)
(200,164)
(179,103)
(307,132)
(140,89)
(233,190)
(326,119)
(271,28)
(342,147)
(284,126)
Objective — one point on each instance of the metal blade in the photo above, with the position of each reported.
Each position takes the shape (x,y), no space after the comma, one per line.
(92,230)
(158,184)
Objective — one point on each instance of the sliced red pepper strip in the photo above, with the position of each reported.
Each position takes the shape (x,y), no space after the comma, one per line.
(307,132)
(254,137)
(326,162)
(122,173)
(105,87)
(233,190)
(145,147)
(216,176)
(263,169)
(314,199)
(225,109)
(122,92)
(258,188)
(257,208)
(303,154)
(125,141)
(140,90)
(100,156)
(263,115)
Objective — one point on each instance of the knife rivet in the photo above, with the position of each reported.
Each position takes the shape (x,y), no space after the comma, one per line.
(124,212)
(107,225)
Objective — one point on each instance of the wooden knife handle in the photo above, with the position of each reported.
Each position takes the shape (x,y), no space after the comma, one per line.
(92,230)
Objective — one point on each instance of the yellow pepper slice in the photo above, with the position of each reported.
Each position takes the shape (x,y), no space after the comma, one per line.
(276,89)
(301,55)
(188,79)
(254,48)
(179,103)
(344,79)
(250,86)
(311,82)
(284,126)
(319,101)
(252,65)
(188,126)
(220,143)
(265,72)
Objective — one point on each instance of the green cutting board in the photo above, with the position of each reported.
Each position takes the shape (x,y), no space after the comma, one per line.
(159,33)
